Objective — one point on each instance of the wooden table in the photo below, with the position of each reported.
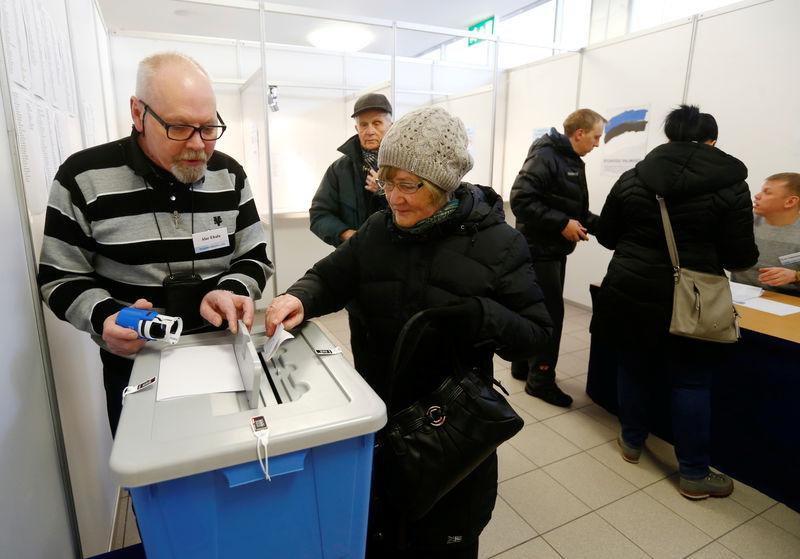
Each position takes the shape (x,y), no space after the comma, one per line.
(784,327)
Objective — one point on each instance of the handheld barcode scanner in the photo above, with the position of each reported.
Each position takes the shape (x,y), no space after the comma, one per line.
(150,325)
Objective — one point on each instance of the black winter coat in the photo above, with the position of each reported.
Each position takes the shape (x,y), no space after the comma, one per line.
(393,274)
(549,191)
(712,220)
(341,201)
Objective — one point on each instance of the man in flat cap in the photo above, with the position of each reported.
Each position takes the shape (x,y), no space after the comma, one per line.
(348,193)
(346,197)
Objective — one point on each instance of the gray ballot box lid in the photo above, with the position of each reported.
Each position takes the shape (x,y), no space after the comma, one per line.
(322,400)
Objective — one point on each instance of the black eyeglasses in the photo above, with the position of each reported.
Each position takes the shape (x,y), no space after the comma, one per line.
(183,132)
(404,187)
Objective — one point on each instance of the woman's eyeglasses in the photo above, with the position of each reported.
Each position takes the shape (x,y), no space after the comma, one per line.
(404,187)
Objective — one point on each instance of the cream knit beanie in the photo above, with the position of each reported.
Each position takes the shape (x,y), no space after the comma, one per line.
(430,143)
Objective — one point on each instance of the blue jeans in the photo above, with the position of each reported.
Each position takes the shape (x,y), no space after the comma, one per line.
(643,380)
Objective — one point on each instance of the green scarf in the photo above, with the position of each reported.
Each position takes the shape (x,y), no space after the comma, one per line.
(442,215)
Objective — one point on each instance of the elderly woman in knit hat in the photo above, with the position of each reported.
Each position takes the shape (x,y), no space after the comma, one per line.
(442,244)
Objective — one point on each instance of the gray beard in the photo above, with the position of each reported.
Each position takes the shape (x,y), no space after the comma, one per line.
(186,174)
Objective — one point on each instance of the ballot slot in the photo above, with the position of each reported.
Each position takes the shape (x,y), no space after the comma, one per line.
(281,379)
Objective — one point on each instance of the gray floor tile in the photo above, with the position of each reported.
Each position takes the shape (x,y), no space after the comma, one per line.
(576,387)
(541,445)
(600,415)
(541,501)
(589,480)
(573,324)
(783,516)
(752,498)
(535,407)
(511,462)
(715,517)
(760,538)
(591,536)
(131,529)
(646,472)
(532,549)
(653,527)
(571,342)
(570,365)
(714,550)
(580,429)
(506,529)
(118,527)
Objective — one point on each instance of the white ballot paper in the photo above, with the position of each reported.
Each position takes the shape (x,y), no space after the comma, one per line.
(770,306)
(275,341)
(187,371)
(741,292)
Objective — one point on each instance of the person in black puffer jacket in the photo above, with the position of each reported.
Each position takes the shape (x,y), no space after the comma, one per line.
(443,245)
(551,203)
(709,206)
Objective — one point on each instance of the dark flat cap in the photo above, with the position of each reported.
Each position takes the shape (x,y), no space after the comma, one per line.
(372,102)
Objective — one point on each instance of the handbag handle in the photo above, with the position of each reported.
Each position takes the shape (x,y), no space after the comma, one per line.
(673,249)
(404,348)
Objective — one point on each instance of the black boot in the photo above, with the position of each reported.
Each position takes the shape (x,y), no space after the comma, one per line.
(520,369)
(542,385)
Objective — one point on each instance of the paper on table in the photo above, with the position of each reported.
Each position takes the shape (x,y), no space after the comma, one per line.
(772,307)
(741,292)
(186,371)
(275,341)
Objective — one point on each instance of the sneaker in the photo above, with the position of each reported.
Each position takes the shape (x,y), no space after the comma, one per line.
(713,485)
(629,453)
(550,393)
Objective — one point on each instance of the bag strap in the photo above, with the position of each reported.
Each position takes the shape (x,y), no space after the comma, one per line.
(673,249)
(404,348)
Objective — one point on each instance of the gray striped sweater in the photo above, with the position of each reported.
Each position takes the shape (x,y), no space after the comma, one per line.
(110,236)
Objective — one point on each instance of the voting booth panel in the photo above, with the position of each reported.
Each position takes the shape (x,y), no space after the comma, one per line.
(193,465)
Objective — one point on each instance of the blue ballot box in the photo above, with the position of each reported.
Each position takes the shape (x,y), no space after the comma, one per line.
(191,465)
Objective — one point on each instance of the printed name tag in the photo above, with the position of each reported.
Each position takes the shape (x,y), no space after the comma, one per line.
(210,240)
(789,258)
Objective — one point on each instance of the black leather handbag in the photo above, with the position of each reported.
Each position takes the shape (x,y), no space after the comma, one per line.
(427,448)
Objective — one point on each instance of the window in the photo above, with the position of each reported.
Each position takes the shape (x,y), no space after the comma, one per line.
(650,13)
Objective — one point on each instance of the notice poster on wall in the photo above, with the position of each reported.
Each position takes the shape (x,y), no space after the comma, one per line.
(624,139)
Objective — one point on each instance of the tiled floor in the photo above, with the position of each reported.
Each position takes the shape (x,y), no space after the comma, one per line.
(566,493)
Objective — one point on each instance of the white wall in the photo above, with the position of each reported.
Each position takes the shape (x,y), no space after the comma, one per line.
(34,516)
(748,84)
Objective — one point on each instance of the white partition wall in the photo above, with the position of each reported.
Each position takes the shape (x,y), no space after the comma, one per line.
(539,96)
(749,84)
(615,76)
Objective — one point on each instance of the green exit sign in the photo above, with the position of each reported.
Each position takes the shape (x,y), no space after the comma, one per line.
(485,26)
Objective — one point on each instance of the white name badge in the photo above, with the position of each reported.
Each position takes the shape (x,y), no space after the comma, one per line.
(789,258)
(210,240)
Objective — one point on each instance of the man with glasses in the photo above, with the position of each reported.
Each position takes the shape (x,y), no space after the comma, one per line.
(155,220)
(348,193)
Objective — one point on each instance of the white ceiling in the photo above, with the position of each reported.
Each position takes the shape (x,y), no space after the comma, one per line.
(218,19)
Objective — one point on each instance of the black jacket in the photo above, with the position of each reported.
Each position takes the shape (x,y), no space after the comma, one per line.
(341,201)
(393,274)
(549,191)
(712,220)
